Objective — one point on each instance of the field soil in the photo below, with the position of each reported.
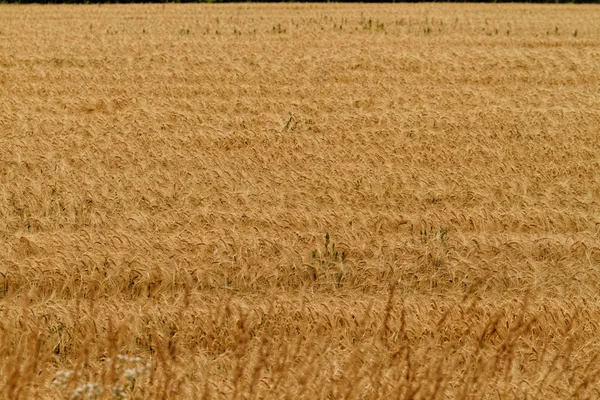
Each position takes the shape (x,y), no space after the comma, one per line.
(299,201)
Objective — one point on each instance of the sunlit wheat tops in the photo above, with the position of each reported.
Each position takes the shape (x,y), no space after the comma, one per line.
(299,201)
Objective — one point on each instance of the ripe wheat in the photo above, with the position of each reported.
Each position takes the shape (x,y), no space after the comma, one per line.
(299,201)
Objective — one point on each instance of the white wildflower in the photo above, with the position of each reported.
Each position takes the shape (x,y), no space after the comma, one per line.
(62,376)
(130,374)
(118,392)
(87,391)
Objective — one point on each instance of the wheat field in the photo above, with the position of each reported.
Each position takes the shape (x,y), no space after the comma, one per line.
(299,201)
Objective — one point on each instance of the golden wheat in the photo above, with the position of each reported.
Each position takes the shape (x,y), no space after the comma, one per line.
(299,201)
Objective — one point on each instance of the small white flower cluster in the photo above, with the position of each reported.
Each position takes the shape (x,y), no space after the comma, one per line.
(124,358)
(131,359)
(132,369)
(62,376)
(132,366)
(87,391)
(130,374)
